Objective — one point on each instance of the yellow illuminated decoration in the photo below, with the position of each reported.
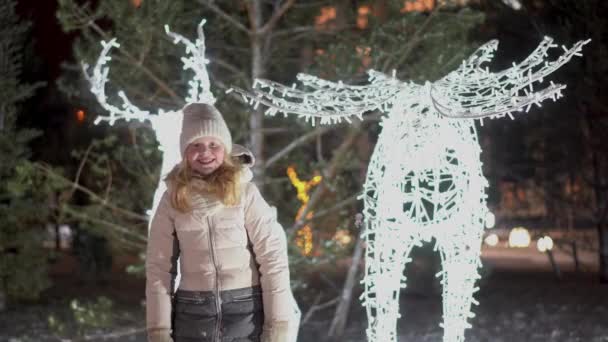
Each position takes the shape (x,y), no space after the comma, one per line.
(343,237)
(304,234)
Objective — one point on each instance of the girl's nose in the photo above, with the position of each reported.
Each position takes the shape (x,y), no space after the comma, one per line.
(203,149)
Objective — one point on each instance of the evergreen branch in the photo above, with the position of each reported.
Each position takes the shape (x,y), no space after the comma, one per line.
(294,30)
(318,307)
(109,185)
(90,193)
(118,228)
(228,66)
(133,60)
(416,38)
(230,19)
(322,213)
(299,141)
(79,171)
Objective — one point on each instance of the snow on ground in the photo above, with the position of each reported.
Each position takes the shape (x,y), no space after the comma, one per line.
(515,305)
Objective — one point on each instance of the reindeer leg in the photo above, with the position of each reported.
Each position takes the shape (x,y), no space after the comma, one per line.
(460,260)
(386,255)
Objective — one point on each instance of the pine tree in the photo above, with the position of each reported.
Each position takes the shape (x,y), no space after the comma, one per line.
(322,38)
(23,191)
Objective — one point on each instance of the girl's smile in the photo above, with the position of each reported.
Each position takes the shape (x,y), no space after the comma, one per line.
(205,155)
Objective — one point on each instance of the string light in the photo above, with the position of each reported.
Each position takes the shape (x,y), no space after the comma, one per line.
(165,123)
(425,176)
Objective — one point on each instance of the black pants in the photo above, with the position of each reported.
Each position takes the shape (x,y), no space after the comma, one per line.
(196,317)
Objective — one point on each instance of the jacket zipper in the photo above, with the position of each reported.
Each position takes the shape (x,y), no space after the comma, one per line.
(218,299)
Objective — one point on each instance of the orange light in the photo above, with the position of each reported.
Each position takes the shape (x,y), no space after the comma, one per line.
(362,20)
(417,6)
(136,3)
(80,115)
(327,14)
(304,234)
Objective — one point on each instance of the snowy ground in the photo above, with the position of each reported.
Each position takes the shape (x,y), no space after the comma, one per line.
(514,306)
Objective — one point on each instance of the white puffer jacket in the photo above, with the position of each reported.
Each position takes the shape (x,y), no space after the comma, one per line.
(211,243)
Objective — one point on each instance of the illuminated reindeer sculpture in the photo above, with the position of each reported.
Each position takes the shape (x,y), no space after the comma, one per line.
(166,124)
(425,179)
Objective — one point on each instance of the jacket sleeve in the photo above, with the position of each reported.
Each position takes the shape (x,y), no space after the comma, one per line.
(161,269)
(270,248)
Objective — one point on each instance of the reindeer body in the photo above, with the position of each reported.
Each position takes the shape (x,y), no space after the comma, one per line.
(425,179)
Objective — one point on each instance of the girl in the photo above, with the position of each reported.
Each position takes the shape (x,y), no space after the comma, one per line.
(234,283)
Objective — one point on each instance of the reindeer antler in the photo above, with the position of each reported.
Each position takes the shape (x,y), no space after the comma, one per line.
(98,81)
(475,93)
(199,85)
(200,90)
(332,102)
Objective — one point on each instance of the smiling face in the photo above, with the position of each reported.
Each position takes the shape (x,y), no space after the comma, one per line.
(205,155)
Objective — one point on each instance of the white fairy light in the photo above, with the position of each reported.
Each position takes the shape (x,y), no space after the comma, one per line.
(492,240)
(544,244)
(425,178)
(166,124)
(519,237)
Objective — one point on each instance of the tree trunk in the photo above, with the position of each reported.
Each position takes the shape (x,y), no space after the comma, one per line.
(338,324)
(599,184)
(256,120)
(602,232)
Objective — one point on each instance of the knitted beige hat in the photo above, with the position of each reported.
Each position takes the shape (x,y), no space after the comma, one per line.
(203,120)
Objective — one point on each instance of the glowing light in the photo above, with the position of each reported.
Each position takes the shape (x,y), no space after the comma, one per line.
(362,13)
(491,240)
(544,244)
(166,124)
(343,237)
(136,3)
(327,15)
(519,237)
(304,234)
(417,5)
(425,178)
(80,115)
(514,4)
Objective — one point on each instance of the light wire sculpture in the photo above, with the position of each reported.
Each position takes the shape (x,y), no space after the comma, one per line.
(166,124)
(425,178)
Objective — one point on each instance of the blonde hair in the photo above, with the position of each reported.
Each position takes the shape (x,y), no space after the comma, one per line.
(223,183)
